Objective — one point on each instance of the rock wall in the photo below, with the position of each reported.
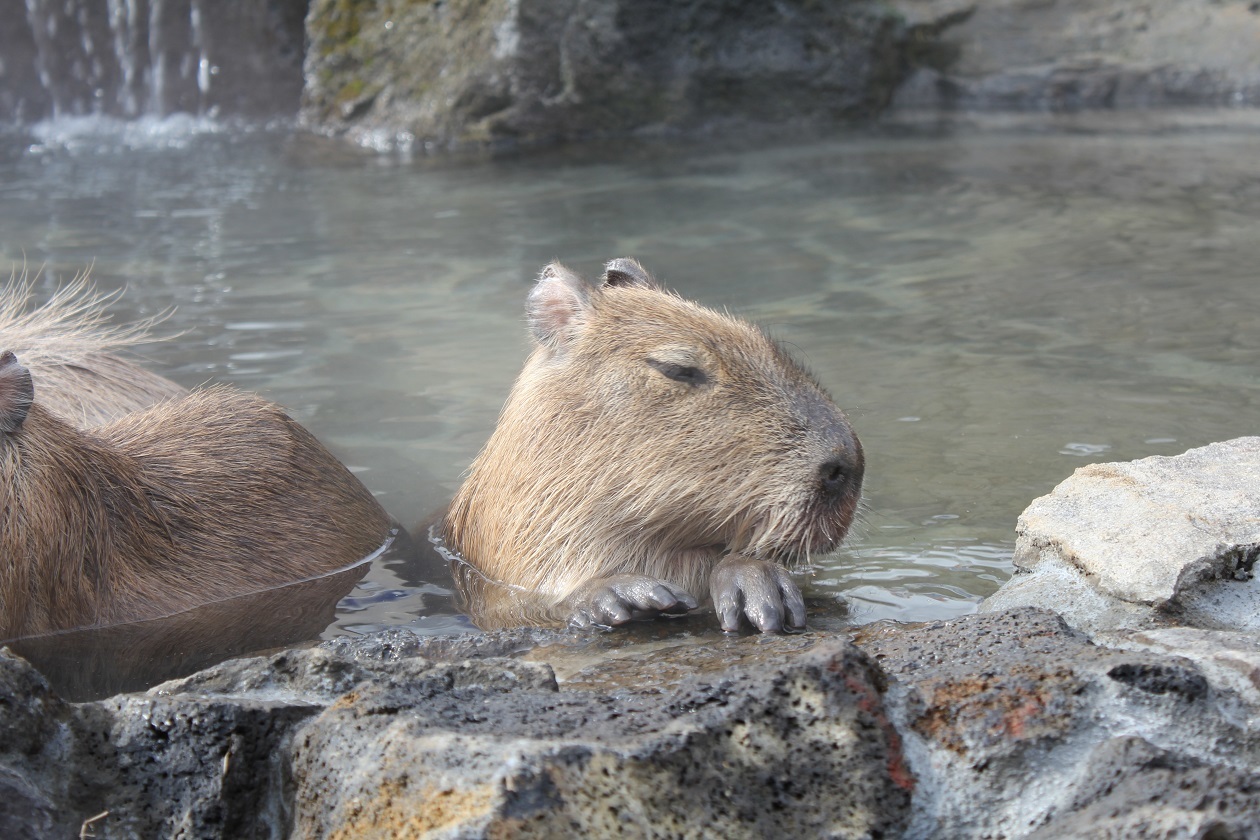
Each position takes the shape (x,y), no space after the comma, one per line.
(1005,724)
(460,72)
(497,71)
(1050,55)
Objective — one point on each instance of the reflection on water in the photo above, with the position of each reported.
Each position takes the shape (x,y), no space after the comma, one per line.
(993,307)
(98,662)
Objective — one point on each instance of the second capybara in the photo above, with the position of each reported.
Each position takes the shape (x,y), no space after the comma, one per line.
(651,453)
(202,496)
(68,345)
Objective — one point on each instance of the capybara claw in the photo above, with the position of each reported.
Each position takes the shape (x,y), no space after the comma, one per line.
(609,602)
(761,592)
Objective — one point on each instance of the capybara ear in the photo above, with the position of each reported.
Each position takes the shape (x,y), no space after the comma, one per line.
(556,306)
(624,271)
(17,391)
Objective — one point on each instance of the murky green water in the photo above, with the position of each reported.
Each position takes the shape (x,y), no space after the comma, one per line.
(994,307)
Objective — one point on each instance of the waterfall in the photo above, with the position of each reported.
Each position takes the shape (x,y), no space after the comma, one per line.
(132,58)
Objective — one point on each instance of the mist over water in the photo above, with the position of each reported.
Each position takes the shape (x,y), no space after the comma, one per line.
(993,306)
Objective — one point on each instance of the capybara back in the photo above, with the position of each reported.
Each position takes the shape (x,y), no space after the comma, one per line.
(201,497)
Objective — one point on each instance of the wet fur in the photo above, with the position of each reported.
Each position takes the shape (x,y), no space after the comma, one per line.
(70,347)
(600,465)
(201,496)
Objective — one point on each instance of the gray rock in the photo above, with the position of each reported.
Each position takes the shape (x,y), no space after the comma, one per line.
(998,710)
(796,750)
(1070,54)
(33,736)
(1128,788)
(365,736)
(1161,540)
(1001,724)
(464,72)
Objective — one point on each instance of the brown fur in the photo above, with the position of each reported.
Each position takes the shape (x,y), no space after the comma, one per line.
(202,497)
(602,464)
(68,345)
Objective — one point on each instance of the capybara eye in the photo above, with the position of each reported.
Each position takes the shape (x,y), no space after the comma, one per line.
(685,374)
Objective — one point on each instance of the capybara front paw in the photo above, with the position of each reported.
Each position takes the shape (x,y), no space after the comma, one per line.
(611,601)
(760,591)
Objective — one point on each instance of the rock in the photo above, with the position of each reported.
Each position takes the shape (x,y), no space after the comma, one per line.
(469,72)
(372,737)
(997,711)
(1128,788)
(32,736)
(998,724)
(746,753)
(1070,54)
(1158,541)
(1229,660)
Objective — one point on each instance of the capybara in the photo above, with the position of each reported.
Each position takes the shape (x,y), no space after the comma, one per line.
(651,452)
(200,497)
(66,344)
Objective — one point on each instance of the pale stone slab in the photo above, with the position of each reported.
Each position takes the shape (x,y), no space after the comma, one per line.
(1146,531)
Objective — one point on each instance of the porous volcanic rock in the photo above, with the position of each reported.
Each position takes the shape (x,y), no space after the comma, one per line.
(384,735)
(1013,723)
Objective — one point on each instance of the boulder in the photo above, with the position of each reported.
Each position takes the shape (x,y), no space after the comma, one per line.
(467,72)
(1161,541)
(387,738)
(1016,725)
(999,724)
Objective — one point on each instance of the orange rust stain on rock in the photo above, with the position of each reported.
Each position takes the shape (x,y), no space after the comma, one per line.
(1019,705)
(345,701)
(870,702)
(398,812)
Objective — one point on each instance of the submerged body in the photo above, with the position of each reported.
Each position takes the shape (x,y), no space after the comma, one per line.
(198,497)
(652,452)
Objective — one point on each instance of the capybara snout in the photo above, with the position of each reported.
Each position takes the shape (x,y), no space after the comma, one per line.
(649,441)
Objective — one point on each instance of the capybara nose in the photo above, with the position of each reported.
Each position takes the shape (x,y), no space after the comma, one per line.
(839,475)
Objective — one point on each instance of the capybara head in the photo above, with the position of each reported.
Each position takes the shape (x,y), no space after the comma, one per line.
(650,435)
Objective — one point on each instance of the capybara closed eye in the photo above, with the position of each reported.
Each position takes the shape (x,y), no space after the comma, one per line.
(204,496)
(651,453)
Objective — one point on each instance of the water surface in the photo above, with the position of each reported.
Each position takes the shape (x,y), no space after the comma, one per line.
(993,305)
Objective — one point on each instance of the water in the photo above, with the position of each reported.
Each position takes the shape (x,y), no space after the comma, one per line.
(993,305)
